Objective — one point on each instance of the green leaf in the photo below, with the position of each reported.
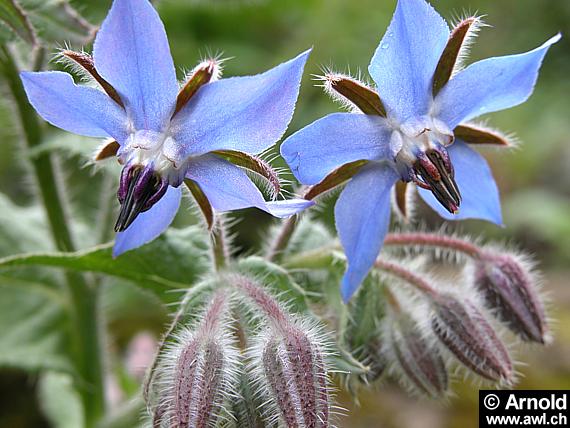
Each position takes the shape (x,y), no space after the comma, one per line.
(22,228)
(60,401)
(68,144)
(33,327)
(172,262)
(57,20)
(361,329)
(16,19)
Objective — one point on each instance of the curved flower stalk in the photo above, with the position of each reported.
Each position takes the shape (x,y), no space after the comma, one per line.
(415,129)
(505,279)
(456,320)
(164,134)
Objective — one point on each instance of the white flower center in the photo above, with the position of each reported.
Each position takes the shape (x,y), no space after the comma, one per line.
(145,147)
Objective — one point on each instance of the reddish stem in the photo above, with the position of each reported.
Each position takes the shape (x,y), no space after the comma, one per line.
(406,275)
(434,240)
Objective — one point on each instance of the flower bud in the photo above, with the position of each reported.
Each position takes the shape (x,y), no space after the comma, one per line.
(418,360)
(296,379)
(288,362)
(463,329)
(508,288)
(198,373)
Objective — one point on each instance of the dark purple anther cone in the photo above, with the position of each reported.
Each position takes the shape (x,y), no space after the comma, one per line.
(508,288)
(140,187)
(433,171)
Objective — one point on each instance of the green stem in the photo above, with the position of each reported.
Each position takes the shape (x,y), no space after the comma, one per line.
(106,210)
(83,296)
(220,250)
(319,258)
(433,240)
(283,238)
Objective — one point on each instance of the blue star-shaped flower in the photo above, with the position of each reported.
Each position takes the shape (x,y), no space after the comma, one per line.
(411,131)
(164,135)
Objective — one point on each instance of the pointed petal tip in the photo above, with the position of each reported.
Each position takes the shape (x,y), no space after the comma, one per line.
(287,208)
(346,291)
(117,251)
(554,39)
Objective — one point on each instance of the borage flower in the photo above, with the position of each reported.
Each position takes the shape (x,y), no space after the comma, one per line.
(413,130)
(165,135)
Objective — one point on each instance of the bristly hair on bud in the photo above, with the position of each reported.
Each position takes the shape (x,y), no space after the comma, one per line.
(208,70)
(197,373)
(463,329)
(82,63)
(456,50)
(416,359)
(256,165)
(288,362)
(351,93)
(509,286)
(108,148)
(480,133)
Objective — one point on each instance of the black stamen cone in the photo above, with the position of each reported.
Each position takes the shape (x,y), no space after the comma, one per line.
(432,170)
(140,189)
(447,176)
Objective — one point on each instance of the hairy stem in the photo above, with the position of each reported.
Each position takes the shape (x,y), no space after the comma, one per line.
(282,240)
(83,296)
(405,275)
(220,250)
(433,240)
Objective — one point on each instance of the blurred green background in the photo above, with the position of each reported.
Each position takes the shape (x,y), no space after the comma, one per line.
(534,178)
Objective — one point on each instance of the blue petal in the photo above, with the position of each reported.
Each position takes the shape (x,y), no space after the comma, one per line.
(339,138)
(248,113)
(150,224)
(362,216)
(404,62)
(480,196)
(228,188)
(490,85)
(77,109)
(131,51)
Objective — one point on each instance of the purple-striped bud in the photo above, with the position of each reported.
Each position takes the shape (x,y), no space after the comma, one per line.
(288,362)
(296,379)
(418,360)
(198,373)
(467,334)
(509,289)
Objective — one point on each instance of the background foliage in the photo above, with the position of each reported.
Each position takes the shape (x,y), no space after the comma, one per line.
(534,180)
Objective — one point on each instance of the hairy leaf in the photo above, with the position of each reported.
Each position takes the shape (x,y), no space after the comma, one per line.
(12,15)
(60,401)
(171,262)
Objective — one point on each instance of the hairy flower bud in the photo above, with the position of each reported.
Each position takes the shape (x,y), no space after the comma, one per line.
(463,329)
(509,288)
(288,362)
(198,373)
(296,379)
(416,358)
